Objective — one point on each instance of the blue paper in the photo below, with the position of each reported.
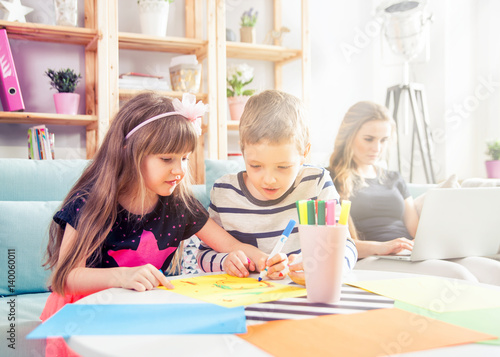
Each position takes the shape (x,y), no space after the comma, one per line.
(151,319)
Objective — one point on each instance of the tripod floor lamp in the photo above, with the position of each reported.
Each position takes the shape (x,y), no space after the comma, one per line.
(404,28)
(421,132)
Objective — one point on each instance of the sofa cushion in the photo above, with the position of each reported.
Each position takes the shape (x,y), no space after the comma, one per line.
(481,182)
(450,182)
(200,192)
(215,169)
(38,180)
(23,240)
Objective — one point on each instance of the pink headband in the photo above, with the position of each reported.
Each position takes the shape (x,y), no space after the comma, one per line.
(188,108)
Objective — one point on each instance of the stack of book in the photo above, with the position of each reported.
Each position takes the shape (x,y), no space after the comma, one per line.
(140,81)
(40,143)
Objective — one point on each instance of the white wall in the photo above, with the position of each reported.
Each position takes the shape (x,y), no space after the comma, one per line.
(461,78)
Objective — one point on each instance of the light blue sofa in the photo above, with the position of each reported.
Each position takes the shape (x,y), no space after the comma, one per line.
(30,193)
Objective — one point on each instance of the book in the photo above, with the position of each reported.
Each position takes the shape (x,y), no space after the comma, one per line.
(140,81)
(40,143)
(10,91)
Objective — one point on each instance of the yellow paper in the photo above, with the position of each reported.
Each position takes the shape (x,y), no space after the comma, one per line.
(434,293)
(229,291)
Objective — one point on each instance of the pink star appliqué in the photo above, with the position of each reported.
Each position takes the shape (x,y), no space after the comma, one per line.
(147,252)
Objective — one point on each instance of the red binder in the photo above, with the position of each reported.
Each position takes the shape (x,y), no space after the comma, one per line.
(10,92)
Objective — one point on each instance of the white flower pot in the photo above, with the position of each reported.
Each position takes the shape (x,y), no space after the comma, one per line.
(66,12)
(153,16)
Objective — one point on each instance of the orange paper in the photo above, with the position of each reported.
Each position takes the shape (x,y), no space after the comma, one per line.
(372,333)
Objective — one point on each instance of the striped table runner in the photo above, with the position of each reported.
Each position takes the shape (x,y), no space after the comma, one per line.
(352,300)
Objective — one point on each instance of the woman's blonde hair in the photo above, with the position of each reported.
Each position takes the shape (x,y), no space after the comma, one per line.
(342,166)
(274,117)
(115,171)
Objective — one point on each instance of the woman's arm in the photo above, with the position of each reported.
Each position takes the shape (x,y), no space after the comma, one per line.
(410,216)
(367,247)
(83,280)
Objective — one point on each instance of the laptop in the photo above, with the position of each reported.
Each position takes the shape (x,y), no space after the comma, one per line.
(456,223)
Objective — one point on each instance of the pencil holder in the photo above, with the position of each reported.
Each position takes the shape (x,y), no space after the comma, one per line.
(323,252)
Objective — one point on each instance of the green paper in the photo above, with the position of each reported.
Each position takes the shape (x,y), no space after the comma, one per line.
(434,293)
(485,320)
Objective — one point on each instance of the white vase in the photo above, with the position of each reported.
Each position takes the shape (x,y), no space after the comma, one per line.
(153,16)
(66,12)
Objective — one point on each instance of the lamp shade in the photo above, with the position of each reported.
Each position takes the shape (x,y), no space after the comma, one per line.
(404,26)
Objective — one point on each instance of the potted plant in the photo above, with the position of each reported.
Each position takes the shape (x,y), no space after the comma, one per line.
(247,29)
(238,76)
(493,165)
(65,82)
(153,16)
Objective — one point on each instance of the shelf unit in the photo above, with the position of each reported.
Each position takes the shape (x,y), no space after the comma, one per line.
(102,42)
(87,37)
(192,43)
(278,55)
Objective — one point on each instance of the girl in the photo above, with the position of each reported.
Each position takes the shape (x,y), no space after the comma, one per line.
(127,214)
(359,149)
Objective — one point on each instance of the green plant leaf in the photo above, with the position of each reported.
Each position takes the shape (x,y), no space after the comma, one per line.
(64,80)
(248,92)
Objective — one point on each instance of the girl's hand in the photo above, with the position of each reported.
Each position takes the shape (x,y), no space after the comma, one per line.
(296,270)
(238,264)
(394,246)
(144,277)
(277,266)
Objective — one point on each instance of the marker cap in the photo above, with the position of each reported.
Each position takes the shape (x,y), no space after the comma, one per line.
(289,228)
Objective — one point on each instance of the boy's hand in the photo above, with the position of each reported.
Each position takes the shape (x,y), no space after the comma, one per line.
(277,266)
(296,270)
(142,278)
(238,264)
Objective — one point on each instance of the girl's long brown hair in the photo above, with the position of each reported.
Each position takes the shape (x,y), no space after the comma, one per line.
(115,171)
(342,166)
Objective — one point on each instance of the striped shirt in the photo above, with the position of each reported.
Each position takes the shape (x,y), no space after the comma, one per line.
(261,223)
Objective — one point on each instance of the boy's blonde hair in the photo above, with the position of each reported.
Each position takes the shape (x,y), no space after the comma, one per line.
(274,117)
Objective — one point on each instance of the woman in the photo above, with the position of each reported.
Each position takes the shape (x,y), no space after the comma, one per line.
(384,219)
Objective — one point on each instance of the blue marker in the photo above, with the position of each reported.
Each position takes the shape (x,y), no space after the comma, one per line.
(279,245)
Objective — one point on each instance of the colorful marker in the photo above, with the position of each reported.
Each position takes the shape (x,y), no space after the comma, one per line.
(330,212)
(303,212)
(279,245)
(344,212)
(321,213)
(311,213)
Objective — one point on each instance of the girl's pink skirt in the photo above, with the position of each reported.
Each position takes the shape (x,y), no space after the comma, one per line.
(56,346)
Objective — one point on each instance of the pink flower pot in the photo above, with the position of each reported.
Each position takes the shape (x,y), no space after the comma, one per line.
(67,103)
(236,106)
(493,168)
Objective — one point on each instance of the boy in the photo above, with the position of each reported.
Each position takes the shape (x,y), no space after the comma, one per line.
(256,205)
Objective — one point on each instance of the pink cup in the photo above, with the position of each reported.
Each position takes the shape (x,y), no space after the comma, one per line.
(323,252)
